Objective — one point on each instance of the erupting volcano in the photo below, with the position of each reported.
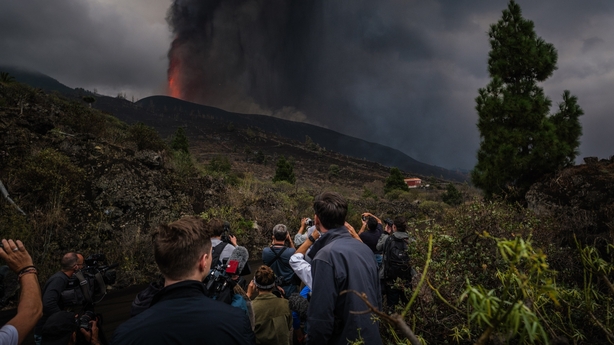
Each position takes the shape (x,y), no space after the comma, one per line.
(173,79)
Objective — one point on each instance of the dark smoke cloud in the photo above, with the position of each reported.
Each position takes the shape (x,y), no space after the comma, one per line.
(366,68)
(402,73)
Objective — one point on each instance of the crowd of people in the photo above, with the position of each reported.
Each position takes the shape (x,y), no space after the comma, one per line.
(302,294)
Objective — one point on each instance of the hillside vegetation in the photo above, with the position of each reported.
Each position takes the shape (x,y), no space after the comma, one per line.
(490,272)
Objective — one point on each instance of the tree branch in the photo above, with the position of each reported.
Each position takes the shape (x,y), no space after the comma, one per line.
(394,319)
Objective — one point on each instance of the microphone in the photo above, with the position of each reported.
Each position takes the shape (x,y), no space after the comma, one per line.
(237,262)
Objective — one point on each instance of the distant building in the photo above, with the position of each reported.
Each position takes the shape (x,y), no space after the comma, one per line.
(413,182)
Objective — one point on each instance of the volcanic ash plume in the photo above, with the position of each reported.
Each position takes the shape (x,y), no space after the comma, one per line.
(245,56)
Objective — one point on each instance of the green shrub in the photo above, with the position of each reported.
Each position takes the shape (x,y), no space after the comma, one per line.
(183,164)
(219,164)
(284,171)
(452,196)
(49,175)
(145,137)
(180,141)
(333,171)
(395,181)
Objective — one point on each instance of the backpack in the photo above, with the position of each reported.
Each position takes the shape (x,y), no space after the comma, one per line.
(216,252)
(143,300)
(396,259)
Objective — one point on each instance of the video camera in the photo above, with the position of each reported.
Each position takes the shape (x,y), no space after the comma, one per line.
(219,284)
(95,263)
(226,234)
(90,284)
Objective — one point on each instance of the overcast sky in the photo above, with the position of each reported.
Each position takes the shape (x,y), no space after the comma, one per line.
(410,82)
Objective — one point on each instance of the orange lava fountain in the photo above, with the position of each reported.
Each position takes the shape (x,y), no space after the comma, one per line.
(174,85)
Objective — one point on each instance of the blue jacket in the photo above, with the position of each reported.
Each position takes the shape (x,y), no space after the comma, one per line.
(182,314)
(342,263)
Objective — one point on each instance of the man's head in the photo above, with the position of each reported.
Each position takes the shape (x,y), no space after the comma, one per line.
(371,223)
(400,224)
(71,262)
(280,232)
(183,248)
(217,229)
(330,210)
(59,329)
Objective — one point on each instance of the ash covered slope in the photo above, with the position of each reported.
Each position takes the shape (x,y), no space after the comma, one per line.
(197,115)
(163,113)
(84,186)
(581,198)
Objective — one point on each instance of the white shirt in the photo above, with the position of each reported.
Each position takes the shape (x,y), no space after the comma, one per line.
(301,267)
(8,335)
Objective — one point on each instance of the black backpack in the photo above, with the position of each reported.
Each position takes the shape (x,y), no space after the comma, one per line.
(216,253)
(396,259)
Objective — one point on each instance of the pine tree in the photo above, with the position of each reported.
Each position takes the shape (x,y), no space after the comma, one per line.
(519,141)
(395,181)
(452,196)
(180,141)
(284,171)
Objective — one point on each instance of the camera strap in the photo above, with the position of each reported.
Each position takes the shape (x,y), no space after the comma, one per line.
(101,284)
(277,254)
(84,286)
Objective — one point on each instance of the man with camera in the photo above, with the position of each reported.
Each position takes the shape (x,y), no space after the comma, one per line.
(181,313)
(55,285)
(64,328)
(223,242)
(30,308)
(277,257)
(370,232)
(340,263)
(301,236)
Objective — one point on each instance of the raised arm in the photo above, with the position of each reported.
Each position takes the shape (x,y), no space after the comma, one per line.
(30,307)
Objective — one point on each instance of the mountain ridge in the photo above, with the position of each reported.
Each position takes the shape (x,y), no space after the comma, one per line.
(157,111)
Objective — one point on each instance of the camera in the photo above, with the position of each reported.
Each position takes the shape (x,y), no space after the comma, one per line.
(84,319)
(219,284)
(89,285)
(388,221)
(309,222)
(364,218)
(96,263)
(226,234)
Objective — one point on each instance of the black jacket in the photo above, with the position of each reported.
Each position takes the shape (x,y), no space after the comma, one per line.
(342,263)
(182,314)
(52,298)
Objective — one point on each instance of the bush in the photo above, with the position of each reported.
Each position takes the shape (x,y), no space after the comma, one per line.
(219,164)
(183,164)
(284,171)
(50,176)
(333,171)
(180,141)
(452,196)
(145,137)
(395,181)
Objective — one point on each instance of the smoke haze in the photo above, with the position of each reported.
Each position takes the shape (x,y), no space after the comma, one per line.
(364,68)
(403,73)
